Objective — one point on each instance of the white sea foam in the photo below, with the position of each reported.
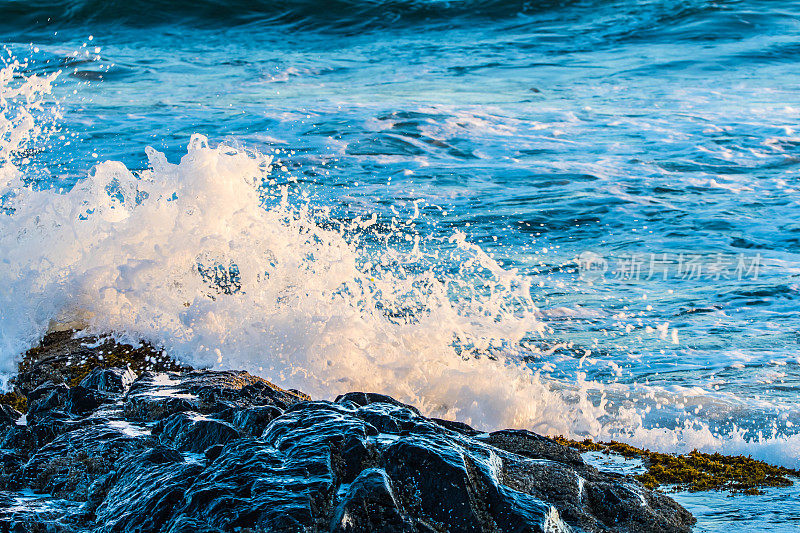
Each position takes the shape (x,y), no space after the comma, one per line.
(215,262)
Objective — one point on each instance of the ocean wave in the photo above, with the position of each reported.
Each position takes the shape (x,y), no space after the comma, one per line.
(351,13)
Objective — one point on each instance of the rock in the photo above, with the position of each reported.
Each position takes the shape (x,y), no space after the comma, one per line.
(8,415)
(187,525)
(114,380)
(365,398)
(460,427)
(370,505)
(529,444)
(466,498)
(145,491)
(192,432)
(12,435)
(254,420)
(45,398)
(66,467)
(81,400)
(10,470)
(47,426)
(154,396)
(210,452)
(64,357)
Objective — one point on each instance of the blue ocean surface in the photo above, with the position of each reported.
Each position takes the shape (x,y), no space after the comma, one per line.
(599,196)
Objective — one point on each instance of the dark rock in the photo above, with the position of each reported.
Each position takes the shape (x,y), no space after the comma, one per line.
(393,418)
(155,396)
(31,514)
(8,415)
(67,466)
(365,398)
(17,438)
(212,452)
(81,400)
(10,470)
(45,427)
(465,500)
(114,380)
(354,456)
(529,444)
(254,420)
(188,525)
(237,388)
(64,357)
(45,389)
(145,490)
(460,427)
(192,432)
(370,505)
(12,435)
(45,398)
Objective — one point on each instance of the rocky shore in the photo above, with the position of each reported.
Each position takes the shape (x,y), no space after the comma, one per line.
(150,445)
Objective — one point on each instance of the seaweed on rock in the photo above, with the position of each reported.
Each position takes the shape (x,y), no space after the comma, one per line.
(696,471)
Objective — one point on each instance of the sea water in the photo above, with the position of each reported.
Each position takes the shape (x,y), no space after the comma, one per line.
(576,217)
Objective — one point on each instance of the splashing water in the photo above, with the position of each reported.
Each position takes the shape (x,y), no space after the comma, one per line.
(140,255)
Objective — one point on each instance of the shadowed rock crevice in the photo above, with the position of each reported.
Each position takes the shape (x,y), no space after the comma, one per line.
(206,451)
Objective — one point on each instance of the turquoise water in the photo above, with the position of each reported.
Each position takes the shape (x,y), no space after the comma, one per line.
(636,162)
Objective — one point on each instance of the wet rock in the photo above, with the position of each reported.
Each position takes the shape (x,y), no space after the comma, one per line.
(144,492)
(370,505)
(8,415)
(237,389)
(81,400)
(154,396)
(17,438)
(465,499)
(390,417)
(23,513)
(365,398)
(254,420)
(114,380)
(211,452)
(187,525)
(460,427)
(12,435)
(66,467)
(67,357)
(45,398)
(529,444)
(192,432)
(10,469)
(47,426)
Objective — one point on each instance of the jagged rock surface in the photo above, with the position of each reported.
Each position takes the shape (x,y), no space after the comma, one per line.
(204,451)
